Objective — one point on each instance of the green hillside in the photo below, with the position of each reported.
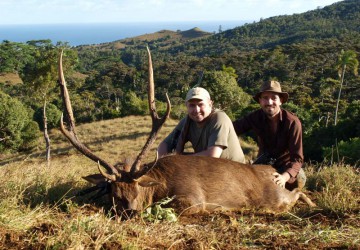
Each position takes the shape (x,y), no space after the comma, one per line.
(337,21)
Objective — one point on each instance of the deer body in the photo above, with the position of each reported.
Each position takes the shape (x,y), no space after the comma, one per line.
(205,184)
(201,183)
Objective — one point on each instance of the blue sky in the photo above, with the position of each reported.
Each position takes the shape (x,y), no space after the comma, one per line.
(105,11)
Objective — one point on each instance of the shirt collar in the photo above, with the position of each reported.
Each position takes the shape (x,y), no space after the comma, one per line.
(264,117)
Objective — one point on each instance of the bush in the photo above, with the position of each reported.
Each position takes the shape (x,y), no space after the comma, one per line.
(225,92)
(17,130)
(53,115)
(133,105)
(29,136)
(348,151)
(110,113)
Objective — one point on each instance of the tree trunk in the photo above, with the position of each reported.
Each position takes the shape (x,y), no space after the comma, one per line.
(327,119)
(46,136)
(339,95)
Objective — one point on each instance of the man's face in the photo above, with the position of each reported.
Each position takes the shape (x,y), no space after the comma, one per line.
(270,103)
(198,110)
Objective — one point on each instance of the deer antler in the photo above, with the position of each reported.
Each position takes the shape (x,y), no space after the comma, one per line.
(70,133)
(156,124)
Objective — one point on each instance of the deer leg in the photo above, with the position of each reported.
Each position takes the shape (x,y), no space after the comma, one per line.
(306,199)
(187,205)
(297,194)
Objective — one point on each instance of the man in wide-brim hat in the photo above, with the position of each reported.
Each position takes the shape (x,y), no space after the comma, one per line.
(279,135)
(274,87)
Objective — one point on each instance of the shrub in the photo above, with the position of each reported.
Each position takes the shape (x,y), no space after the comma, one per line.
(29,136)
(53,115)
(17,130)
(133,105)
(348,151)
(225,92)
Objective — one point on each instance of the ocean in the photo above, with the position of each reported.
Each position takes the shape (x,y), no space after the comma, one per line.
(96,33)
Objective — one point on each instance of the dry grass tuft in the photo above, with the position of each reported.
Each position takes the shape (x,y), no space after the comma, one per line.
(337,188)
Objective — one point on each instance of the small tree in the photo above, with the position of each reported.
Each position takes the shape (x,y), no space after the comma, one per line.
(41,77)
(17,130)
(53,115)
(225,92)
(347,60)
(13,56)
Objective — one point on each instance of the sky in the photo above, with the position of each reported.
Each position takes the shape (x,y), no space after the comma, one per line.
(120,11)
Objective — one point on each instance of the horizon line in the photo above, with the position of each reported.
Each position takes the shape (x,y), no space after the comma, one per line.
(128,22)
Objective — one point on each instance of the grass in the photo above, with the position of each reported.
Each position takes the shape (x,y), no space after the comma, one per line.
(39,209)
(10,78)
(336,188)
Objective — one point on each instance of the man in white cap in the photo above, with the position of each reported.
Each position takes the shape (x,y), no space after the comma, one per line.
(209,130)
(279,135)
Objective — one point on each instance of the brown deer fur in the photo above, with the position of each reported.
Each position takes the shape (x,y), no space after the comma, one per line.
(201,183)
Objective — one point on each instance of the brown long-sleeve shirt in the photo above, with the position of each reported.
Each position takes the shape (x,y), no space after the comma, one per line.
(285,144)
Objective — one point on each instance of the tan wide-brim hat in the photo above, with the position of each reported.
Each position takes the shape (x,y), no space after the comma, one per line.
(272,86)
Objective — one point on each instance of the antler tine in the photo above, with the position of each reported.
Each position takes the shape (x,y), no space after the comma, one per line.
(156,123)
(65,96)
(69,132)
(151,95)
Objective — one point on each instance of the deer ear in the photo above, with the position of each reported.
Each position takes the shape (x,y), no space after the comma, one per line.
(94,178)
(146,181)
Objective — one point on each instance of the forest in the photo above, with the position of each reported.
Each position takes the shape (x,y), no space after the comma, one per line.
(314,55)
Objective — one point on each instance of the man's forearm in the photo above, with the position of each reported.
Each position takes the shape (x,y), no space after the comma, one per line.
(214,151)
(162,149)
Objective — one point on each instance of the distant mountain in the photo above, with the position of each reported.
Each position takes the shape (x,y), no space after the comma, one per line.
(163,37)
(194,33)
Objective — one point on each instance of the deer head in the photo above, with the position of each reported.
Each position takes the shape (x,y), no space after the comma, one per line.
(125,182)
